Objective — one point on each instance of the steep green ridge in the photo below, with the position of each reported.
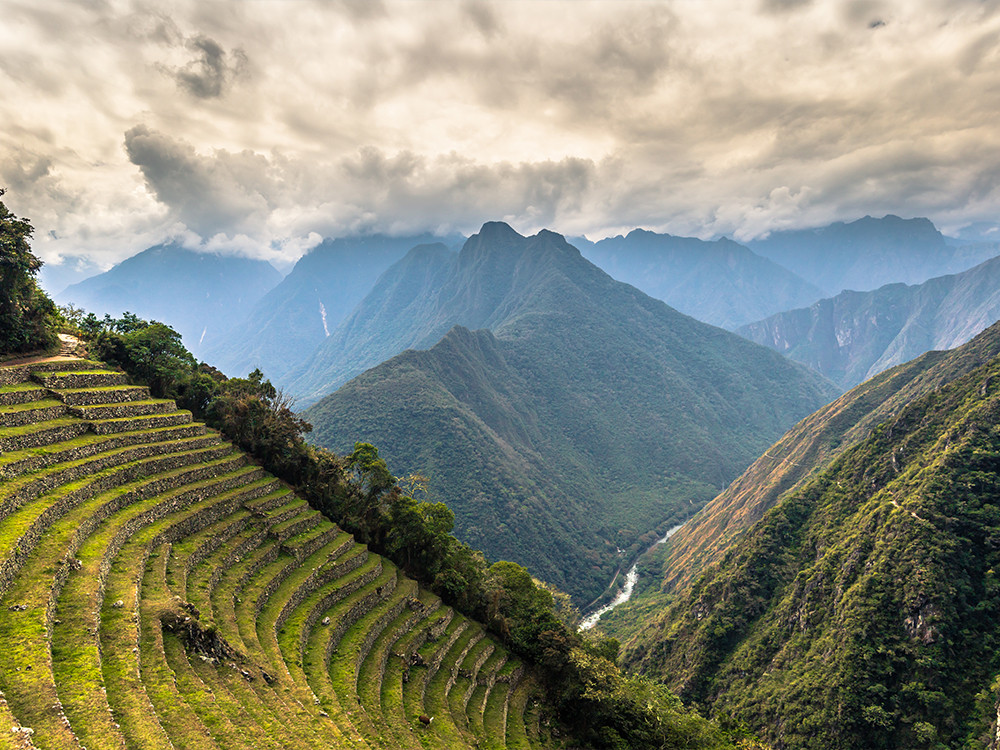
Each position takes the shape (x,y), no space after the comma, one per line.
(289,322)
(855,335)
(158,590)
(869,253)
(806,449)
(720,282)
(862,610)
(218,291)
(590,416)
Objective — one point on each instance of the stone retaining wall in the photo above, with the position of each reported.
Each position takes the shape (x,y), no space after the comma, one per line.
(107,427)
(45,436)
(294,528)
(359,609)
(435,663)
(14,398)
(22,417)
(61,379)
(121,394)
(311,545)
(13,562)
(456,667)
(123,409)
(22,373)
(376,630)
(29,491)
(341,592)
(33,462)
(164,507)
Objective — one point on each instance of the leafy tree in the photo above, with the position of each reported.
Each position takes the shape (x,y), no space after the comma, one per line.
(28,318)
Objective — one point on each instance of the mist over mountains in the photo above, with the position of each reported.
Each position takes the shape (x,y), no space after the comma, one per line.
(202,295)
(869,253)
(295,316)
(721,282)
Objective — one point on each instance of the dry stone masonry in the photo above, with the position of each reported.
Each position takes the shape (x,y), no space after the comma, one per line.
(158,589)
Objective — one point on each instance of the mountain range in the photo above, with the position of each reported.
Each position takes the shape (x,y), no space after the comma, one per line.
(869,253)
(852,600)
(298,314)
(856,335)
(201,295)
(720,282)
(582,415)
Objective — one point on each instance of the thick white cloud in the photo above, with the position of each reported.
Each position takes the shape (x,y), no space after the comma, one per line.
(264,123)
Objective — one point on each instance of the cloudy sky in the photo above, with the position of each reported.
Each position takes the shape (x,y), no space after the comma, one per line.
(262,125)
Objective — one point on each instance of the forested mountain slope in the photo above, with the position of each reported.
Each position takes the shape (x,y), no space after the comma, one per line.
(285,327)
(201,295)
(862,610)
(869,253)
(591,415)
(855,335)
(720,282)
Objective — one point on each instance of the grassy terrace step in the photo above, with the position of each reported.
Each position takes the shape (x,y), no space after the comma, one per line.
(179,722)
(123,409)
(192,550)
(398,670)
(149,422)
(426,665)
(17,415)
(60,379)
(334,684)
(521,693)
(119,629)
(14,464)
(115,487)
(44,571)
(21,393)
(480,689)
(450,729)
(105,394)
(76,660)
(12,375)
(372,669)
(259,610)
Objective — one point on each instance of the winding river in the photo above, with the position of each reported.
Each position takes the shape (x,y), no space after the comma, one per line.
(626,592)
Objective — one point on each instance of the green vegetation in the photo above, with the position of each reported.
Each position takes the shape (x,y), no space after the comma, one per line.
(253,597)
(28,318)
(862,611)
(801,454)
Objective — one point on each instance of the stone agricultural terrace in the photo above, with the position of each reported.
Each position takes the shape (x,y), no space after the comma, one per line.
(159,590)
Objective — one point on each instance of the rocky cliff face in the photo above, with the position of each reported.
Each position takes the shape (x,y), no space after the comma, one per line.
(855,335)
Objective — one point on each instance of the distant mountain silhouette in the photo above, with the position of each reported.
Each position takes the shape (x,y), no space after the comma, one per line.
(285,327)
(855,335)
(869,253)
(201,295)
(721,282)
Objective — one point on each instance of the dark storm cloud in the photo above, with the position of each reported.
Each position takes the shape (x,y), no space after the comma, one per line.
(212,71)
(207,194)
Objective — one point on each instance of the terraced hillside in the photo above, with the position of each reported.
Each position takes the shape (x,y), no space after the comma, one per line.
(159,590)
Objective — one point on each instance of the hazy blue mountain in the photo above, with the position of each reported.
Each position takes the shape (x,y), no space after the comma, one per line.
(869,253)
(585,417)
(855,335)
(720,282)
(201,295)
(285,326)
(72,269)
